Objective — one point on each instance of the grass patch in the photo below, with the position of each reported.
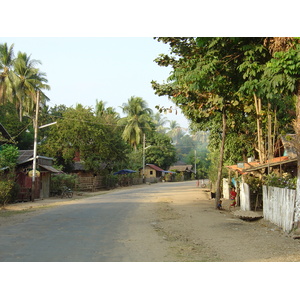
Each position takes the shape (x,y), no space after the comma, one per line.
(5,213)
(9,213)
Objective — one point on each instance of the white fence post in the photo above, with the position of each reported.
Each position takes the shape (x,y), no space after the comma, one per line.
(244,197)
(225,188)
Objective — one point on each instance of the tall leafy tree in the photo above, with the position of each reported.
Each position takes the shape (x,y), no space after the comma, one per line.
(80,131)
(6,63)
(202,83)
(100,108)
(27,79)
(175,131)
(161,153)
(137,121)
(107,114)
(282,76)
(160,122)
(21,132)
(228,81)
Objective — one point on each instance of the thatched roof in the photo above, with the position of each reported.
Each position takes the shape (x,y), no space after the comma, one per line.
(181,167)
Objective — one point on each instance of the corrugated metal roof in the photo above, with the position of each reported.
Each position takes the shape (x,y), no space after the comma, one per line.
(51,169)
(27,155)
(154,167)
(252,166)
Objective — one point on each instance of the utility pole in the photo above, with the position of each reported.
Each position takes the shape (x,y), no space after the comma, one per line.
(144,150)
(35,125)
(144,144)
(195,162)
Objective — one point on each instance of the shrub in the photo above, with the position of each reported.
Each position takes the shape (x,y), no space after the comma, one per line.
(110,181)
(284,181)
(8,191)
(254,183)
(62,180)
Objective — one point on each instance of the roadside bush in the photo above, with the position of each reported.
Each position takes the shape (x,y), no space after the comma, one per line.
(110,181)
(8,191)
(284,181)
(170,177)
(178,177)
(62,180)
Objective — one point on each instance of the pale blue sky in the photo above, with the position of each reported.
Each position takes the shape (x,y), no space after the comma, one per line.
(81,70)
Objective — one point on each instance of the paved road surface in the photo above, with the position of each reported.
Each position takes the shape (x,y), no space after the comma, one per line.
(88,230)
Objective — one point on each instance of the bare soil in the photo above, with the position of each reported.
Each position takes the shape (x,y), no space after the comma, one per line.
(184,226)
(187,221)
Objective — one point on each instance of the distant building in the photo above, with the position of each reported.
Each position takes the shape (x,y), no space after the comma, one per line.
(152,172)
(182,168)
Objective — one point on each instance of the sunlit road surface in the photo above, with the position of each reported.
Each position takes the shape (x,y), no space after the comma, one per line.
(89,230)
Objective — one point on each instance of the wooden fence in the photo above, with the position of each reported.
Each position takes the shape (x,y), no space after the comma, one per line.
(279,206)
(90,183)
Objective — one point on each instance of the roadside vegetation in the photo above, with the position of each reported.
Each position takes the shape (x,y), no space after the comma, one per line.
(244,91)
(239,94)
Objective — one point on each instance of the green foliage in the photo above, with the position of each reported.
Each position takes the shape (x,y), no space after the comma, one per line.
(254,183)
(8,156)
(8,191)
(80,131)
(63,180)
(21,132)
(110,181)
(137,121)
(161,153)
(283,71)
(284,181)
(211,75)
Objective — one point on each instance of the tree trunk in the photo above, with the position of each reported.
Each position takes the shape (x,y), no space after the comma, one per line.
(297,144)
(260,142)
(218,184)
(270,140)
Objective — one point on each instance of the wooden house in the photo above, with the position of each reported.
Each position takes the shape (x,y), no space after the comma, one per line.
(152,172)
(43,176)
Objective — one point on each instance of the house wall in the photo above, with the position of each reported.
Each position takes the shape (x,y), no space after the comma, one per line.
(25,183)
(149,172)
(279,206)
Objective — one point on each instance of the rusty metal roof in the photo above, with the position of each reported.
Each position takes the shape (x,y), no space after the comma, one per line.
(155,167)
(252,166)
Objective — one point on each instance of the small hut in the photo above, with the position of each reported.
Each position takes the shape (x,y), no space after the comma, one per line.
(24,175)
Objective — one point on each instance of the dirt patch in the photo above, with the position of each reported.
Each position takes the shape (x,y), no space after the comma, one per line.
(196,231)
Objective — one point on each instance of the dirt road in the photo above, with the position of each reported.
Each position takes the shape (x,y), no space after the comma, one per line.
(179,223)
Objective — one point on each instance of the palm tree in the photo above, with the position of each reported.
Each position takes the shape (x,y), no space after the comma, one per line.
(6,63)
(27,79)
(100,108)
(108,115)
(159,122)
(138,120)
(175,132)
